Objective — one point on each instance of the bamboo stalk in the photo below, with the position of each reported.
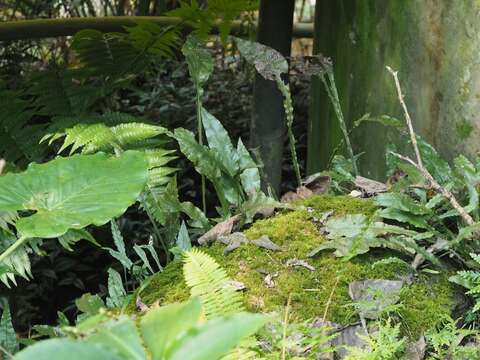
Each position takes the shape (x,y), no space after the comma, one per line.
(45,28)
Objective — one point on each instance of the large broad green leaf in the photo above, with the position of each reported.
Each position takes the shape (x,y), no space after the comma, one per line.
(162,326)
(71,193)
(121,337)
(62,349)
(199,60)
(216,337)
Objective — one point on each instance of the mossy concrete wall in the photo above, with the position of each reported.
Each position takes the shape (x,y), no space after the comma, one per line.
(435,46)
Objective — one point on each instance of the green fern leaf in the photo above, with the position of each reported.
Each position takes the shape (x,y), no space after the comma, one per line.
(18,262)
(92,138)
(106,54)
(208,281)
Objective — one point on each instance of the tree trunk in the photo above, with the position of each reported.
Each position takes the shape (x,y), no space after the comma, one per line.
(434,44)
(143,7)
(268,118)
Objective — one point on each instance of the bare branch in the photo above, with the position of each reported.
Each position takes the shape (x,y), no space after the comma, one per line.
(438,188)
(408,119)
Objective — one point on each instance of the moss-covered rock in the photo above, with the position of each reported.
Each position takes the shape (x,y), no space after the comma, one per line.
(319,292)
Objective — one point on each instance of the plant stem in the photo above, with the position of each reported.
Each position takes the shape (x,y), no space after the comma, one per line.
(288,106)
(200,141)
(285,326)
(156,230)
(332,93)
(12,248)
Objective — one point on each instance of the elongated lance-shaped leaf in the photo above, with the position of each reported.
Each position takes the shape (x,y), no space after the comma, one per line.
(200,65)
(120,254)
(141,253)
(220,143)
(199,60)
(8,337)
(72,193)
(205,162)
(250,176)
(116,291)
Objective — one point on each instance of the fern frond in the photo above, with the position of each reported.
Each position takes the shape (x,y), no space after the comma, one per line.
(99,137)
(153,39)
(57,92)
(207,280)
(59,124)
(18,140)
(111,55)
(7,218)
(18,261)
(105,54)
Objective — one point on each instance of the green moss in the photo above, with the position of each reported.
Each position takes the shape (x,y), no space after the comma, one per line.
(165,287)
(341,205)
(313,293)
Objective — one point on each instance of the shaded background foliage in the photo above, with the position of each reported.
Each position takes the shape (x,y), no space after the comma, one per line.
(160,91)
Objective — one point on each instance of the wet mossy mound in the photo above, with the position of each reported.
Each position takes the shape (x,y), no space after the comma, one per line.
(323,291)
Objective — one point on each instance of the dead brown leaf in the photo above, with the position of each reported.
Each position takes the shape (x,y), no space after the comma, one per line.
(317,183)
(221,229)
(370,187)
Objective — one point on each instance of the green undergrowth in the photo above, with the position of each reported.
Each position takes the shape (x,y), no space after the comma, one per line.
(313,293)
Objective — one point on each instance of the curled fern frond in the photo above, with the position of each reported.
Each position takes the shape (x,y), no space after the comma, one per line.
(208,281)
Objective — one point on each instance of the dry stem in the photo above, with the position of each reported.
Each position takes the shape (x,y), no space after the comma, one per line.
(438,188)
(408,119)
(419,165)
